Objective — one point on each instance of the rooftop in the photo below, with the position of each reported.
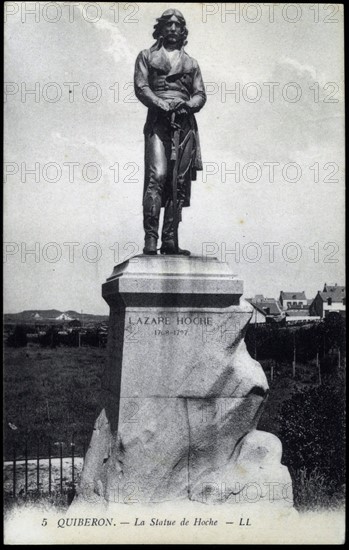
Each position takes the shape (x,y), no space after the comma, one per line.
(293,295)
(337,294)
(269,306)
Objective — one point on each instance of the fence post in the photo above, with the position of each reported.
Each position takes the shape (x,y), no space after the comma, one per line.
(38,466)
(72,466)
(61,465)
(26,468)
(49,468)
(14,472)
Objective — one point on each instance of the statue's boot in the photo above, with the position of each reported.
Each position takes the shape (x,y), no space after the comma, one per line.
(169,248)
(167,236)
(151,214)
(150,246)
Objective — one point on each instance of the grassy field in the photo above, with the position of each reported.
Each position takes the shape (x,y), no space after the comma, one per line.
(51,395)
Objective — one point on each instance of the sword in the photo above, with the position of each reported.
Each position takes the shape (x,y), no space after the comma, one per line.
(175,157)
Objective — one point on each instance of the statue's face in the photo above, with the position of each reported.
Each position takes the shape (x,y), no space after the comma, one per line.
(172,30)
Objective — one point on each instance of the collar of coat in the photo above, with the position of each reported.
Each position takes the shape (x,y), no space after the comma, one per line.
(159,61)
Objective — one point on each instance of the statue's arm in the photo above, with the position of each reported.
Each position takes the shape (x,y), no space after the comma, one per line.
(141,85)
(198,98)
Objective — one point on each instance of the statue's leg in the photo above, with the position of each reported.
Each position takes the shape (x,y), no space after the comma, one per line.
(156,170)
(167,236)
(185,158)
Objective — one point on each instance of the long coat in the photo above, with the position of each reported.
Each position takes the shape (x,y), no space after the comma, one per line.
(155,78)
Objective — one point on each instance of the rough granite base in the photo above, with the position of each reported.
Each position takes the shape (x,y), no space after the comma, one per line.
(182,396)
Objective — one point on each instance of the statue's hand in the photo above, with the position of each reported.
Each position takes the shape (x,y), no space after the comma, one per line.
(177,104)
(163,105)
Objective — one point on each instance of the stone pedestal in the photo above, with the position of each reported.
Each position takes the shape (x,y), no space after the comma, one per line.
(182,395)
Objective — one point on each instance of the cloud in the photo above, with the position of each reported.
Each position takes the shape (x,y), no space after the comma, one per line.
(118,47)
(296,66)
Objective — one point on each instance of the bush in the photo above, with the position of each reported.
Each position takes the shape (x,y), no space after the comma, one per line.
(50,339)
(312,430)
(18,338)
(311,489)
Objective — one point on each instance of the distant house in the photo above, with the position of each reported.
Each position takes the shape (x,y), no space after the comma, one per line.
(64,317)
(265,309)
(37,317)
(298,312)
(302,314)
(259,298)
(293,300)
(331,299)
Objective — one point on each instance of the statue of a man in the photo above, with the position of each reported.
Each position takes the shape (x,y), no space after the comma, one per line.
(168,81)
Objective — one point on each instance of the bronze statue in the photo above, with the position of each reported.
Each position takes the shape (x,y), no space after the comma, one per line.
(168,81)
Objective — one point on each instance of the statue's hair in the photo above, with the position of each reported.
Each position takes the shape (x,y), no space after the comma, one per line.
(161,21)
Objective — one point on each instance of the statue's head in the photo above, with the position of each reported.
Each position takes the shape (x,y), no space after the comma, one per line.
(171,28)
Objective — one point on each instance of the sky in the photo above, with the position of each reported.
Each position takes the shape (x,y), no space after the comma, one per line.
(270,200)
